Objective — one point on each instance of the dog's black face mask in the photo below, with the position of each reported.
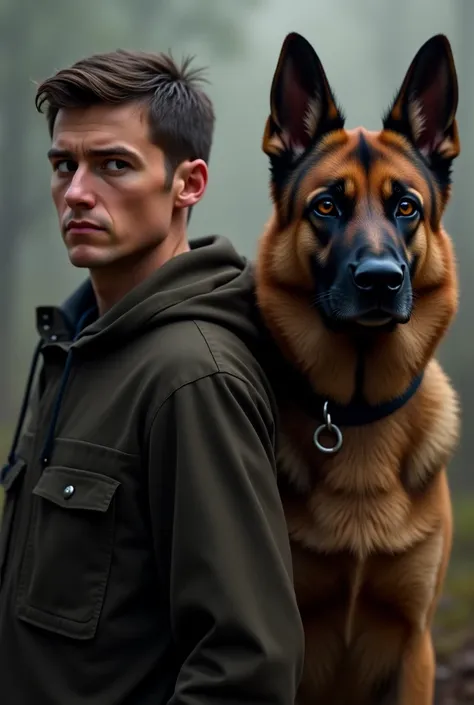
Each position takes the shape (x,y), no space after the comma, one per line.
(362,266)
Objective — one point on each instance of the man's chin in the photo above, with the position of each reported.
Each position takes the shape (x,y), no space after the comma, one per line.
(86,257)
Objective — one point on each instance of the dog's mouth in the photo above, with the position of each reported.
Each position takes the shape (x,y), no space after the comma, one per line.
(375,319)
(348,314)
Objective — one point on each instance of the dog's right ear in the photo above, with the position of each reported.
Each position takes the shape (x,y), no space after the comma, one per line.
(424,110)
(302,104)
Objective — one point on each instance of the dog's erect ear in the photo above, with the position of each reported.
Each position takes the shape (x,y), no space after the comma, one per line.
(302,105)
(425,107)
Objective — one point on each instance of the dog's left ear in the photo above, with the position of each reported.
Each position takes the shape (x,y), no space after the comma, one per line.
(302,105)
(425,107)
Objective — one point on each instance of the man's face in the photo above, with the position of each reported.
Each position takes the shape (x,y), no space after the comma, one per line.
(109,185)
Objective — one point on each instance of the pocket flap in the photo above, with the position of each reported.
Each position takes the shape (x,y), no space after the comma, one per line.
(12,473)
(72,488)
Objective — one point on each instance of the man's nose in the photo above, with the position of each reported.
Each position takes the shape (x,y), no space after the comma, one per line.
(80,192)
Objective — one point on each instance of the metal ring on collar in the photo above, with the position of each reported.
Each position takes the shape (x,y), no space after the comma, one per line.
(334,430)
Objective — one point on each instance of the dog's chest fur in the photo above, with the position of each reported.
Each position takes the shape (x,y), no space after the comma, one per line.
(353,517)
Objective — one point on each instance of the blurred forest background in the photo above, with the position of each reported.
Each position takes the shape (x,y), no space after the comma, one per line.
(365,46)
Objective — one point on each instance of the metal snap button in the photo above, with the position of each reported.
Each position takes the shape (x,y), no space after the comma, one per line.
(68,491)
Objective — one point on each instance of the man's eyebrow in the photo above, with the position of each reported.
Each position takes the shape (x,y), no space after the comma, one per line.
(113,151)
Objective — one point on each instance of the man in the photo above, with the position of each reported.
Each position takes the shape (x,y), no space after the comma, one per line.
(144,556)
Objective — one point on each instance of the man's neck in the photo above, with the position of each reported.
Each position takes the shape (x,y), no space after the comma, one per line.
(112,283)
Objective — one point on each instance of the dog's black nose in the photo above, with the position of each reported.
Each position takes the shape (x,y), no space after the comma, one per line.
(378,273)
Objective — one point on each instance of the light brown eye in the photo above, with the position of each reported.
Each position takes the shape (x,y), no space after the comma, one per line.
(325,206)
(406,208)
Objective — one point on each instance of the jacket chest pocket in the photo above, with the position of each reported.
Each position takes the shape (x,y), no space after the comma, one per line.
(67,560)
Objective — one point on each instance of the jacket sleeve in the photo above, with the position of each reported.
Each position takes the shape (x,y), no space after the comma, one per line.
(233,611)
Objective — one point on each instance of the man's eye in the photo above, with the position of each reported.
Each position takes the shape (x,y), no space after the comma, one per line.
(66,166)
(116,165)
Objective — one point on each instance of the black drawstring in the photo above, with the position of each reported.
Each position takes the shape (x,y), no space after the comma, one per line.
(47,448)
(49,442)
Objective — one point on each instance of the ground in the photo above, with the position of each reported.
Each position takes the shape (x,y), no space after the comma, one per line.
(454,627)
(455,677)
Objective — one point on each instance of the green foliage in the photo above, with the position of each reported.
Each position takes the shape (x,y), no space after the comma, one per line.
(455,616)
(86,26)
(463,513)
(217,23)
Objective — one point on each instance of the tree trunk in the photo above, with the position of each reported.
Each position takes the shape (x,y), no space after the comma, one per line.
(15,112)
(8,267)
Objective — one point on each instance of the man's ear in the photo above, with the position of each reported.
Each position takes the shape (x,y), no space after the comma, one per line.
(190,182)
(425,107)
(302,104)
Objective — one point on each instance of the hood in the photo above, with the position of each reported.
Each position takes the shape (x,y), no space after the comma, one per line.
(211,282)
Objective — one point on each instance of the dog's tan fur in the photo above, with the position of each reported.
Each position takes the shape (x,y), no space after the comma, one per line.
(370,526)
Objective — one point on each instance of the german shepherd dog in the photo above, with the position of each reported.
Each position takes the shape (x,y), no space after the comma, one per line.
(356,282)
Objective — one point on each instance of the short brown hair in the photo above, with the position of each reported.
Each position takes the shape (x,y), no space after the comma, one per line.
(181,115)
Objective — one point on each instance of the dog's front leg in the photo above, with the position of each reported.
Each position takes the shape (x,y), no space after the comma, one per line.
(417,677)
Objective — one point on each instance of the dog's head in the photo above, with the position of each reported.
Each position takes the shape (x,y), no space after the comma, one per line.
(359,213)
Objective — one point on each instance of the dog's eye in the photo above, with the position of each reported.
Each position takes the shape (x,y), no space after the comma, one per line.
(406,208)
(325,206)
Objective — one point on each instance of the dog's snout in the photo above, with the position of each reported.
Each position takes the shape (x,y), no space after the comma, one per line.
(378,274)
